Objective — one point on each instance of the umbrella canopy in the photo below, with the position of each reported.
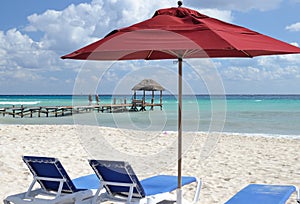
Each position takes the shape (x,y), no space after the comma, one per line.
(148,85)
(177,33)
(181,33)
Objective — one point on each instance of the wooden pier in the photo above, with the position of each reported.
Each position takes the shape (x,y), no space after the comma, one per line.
(58,111)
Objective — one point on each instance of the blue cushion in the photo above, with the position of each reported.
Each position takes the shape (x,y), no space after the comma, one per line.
(120,171)
(87,182)
(262,194)
(163,183)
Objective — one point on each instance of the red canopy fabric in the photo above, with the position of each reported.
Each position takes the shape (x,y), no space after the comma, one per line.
(181,33)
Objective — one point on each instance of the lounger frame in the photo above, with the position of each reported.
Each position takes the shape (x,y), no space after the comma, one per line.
(135,193)
(52,190)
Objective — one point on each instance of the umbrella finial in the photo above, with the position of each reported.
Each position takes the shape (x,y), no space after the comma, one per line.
(179,3)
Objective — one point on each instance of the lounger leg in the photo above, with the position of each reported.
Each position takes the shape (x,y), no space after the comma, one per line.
(61,183)
(30,187)
(179,195)
(298,194)
(130,194)
(6,202)
(197,192)
(151,201)
(97,194)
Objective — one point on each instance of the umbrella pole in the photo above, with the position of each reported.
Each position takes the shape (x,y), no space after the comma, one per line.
(179,190)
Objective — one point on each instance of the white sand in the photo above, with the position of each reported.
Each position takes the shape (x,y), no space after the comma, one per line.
(226,163)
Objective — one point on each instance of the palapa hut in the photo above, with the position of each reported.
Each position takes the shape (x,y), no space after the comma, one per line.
(147,85)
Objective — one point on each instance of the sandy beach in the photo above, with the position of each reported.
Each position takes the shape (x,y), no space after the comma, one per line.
(225,163)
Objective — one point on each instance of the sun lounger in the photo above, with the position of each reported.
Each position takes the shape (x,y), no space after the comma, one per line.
(121,184)
(55,184)
(264,194)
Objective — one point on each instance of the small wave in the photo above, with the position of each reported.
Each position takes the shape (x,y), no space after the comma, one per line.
(19,102)
(266,135)
(258,100)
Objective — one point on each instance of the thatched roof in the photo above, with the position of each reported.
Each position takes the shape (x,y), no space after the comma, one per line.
(148,85)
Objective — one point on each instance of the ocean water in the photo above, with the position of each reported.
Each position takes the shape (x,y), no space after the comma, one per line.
(266,115)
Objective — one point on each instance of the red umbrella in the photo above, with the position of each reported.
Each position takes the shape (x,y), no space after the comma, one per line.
(169,34)
(177,33)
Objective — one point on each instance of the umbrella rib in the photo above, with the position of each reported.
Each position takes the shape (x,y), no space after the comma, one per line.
(243,51)
(185,54)
(191,52)
(150,53)
(173,53)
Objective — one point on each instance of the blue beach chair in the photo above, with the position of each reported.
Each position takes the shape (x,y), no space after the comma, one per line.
(264,194)
(55,186)
(121,184)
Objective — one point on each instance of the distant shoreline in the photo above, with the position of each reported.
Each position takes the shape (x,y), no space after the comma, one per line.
(165,94)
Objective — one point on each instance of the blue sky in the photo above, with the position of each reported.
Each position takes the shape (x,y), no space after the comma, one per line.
(34,34)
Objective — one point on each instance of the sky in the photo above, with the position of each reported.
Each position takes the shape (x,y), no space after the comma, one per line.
(34,34)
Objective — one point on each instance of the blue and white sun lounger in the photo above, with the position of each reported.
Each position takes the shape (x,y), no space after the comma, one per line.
(264,194)
(55,184)
(122,184)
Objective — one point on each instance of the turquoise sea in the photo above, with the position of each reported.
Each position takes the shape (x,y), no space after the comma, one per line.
(266,115)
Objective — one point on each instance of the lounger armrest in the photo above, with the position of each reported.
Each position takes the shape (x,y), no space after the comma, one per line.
(118,184)
(38,178)
(50,179)
(130,185)
(30,193)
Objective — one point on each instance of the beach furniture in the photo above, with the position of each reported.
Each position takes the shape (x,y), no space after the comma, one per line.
(55,186)
(122,184)
(264,194)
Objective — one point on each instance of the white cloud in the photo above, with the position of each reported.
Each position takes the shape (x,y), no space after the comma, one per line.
(62,32)
(77,25)
(293,27)
(245,5)
(80,24)
(241,73)
(22,57)
(20,51)
(224,15)
(295,1)
(295,44)
(84,23)
(263,69)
